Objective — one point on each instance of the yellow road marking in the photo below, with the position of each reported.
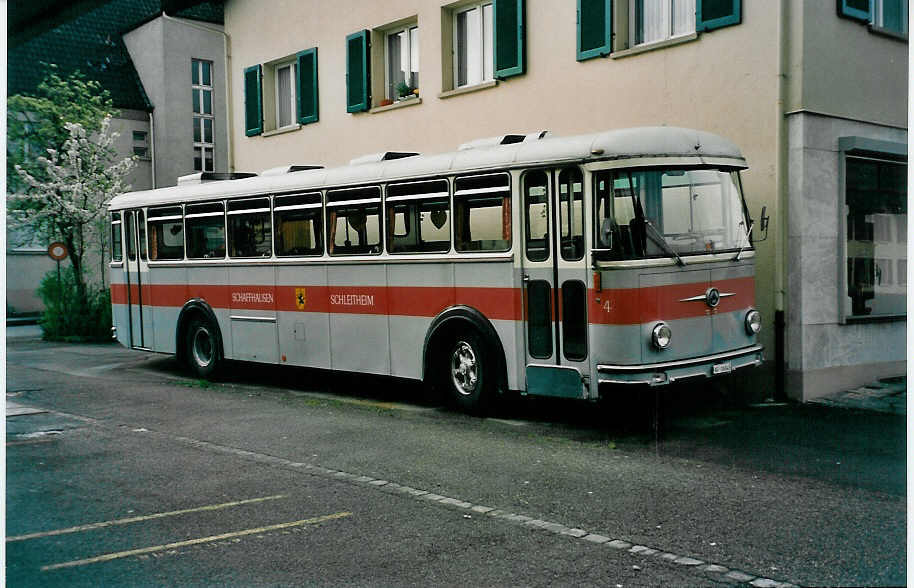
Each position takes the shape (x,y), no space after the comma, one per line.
(126,521)
(157,548)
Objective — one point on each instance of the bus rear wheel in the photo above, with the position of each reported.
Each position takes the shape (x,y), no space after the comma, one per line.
(203,348)
(467,375)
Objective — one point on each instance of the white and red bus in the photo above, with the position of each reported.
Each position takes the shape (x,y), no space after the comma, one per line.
(556,266)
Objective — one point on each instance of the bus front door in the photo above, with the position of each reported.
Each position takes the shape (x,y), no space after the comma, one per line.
(137,275)
(555,283)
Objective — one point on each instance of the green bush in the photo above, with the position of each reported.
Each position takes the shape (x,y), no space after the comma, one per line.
(66,317)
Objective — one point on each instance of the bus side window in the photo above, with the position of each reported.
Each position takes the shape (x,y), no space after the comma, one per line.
(205,225)
(482,213)
(117,247)
(249,228)
(166,233)
(417,217)
(298,225)
(354,221)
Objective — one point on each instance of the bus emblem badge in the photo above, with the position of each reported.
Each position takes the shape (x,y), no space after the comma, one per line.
(712,297)
(300,298)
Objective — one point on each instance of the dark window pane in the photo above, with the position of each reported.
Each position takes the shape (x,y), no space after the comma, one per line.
(876,199)
(117,253)
(131,237)
(197,135)
(539,319)
(207,102)
(250,235)
(207,77)
(574,320)
(141,225)
(571,217)
(195,72)
(536,216)
(196,99)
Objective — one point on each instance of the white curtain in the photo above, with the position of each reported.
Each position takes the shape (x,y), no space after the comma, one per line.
(662,19)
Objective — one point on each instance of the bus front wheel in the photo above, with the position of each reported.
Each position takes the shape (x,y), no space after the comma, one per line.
(467,376)
(203,348)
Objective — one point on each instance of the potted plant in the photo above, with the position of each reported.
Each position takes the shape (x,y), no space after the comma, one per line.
(405,91)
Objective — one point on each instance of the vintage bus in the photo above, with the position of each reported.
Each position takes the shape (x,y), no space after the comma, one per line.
(555,266)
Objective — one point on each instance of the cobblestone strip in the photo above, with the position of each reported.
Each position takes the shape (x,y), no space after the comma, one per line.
(721,572)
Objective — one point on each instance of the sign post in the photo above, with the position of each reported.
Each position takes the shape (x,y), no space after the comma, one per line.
(58,252)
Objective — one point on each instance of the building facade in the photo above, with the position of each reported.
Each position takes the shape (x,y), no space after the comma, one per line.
(163,63)
(822,126)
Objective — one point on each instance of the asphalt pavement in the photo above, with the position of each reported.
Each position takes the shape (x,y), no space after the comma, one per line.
(290,476)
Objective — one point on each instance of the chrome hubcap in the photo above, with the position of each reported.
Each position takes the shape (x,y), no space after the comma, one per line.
(464,369)
(203,347)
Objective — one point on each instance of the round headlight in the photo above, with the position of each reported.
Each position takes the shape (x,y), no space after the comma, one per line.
(753,322)
(661,335)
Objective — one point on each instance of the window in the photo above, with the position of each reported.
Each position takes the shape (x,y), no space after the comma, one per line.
(665,213)
(474,60)
(298,225)
(141,226)
(877,215)
(284,75)
(891,15)
(131,236)
(536,217)
(418,217)
(354,221)
(205,226)
(202,94)
(571,214)
(141,144)
(402,62)
(117,253)
(249,228)
(166,233)
(657,20)
(482,213)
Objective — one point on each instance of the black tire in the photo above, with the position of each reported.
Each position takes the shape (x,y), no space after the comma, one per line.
(467,375)
(203,348)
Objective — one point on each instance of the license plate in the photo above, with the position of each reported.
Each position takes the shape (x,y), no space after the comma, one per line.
(722,368)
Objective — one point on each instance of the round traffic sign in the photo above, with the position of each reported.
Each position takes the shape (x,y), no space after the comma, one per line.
(57,251)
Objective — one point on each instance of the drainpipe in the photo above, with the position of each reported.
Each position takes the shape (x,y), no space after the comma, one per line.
(152,147)
(780,266)
(229,151)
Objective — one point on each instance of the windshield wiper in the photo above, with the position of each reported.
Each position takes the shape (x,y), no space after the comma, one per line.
(658,238)
(748,241)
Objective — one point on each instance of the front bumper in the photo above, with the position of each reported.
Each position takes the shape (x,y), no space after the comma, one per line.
(659,374)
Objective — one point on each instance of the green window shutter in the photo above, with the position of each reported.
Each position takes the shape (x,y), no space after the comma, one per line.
(253,100)
(856,9)
(594,28)
(715,14)
(893,15)
(509,37)
(306,69)
(358,77)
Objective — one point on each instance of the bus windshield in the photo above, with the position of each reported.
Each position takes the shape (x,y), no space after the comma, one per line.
(643,213)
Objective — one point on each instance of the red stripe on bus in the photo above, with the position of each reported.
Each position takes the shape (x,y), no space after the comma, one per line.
(631,306)
(621,306)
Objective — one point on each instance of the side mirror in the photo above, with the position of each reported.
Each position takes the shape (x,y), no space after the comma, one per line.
(606,234)
(763,224)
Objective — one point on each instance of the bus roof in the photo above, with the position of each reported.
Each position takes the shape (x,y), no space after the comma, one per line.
(634,143)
